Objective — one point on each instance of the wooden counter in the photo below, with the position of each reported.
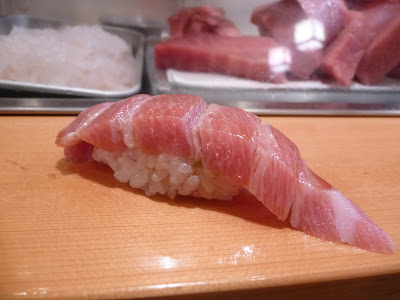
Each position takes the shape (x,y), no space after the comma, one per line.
(73,231)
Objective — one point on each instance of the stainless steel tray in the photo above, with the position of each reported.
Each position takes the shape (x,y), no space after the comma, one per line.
(294,98)
(67,106)
(132,37)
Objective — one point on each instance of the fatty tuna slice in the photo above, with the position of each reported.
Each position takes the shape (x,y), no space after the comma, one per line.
(106,130)
(102,126)
(75,149)
(70,135)
(310,203)
(246,56)
(233,143)
(276,169)
(225,138)
(164,124)
(321,210)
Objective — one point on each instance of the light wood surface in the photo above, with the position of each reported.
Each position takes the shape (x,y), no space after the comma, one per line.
(73,231)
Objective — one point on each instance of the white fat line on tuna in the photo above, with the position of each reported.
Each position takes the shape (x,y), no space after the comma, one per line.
(125,124)
(342,219)
(88,121)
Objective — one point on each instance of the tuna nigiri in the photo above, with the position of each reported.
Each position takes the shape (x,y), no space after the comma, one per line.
(177,144)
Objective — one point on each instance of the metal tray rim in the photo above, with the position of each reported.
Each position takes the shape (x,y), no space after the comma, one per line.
(77,91)
(366,101)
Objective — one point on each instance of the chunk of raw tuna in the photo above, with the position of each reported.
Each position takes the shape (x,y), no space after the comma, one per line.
(278,19)
(203,18)
(332,14)
(288,23)
(246,56)
(343,55)
(382,54)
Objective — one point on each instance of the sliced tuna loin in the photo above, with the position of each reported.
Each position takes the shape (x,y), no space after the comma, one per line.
(284,17)
(343,55)
(172,144)
(201,19)
(246,56)
(332,14)
(270,21)
(382,54)
(287,23)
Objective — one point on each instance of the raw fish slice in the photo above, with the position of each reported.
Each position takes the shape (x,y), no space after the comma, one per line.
(276,169)
(203,18)
(105,131)
(101,126)
(70,135)
(229,149)
(164,124)
(226,141)
(75,149)
(246,56)
(332,216)
(311,204)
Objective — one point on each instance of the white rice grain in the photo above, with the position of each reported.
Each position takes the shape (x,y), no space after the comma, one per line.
(166,174)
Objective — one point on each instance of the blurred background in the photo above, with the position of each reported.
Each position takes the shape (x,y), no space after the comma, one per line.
(149,17)
(127,12)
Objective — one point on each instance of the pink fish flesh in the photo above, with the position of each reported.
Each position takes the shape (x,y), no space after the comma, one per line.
(382,54)
(343,55)
(269,19)
(282,21)
(280,18)
(246,56)
(203,18)
(233,143)
(333,15)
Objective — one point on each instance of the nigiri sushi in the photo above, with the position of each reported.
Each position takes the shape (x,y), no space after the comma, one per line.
(178,144)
